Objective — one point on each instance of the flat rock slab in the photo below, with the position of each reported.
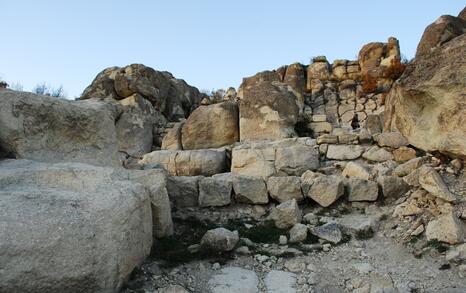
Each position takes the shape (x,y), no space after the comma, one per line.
(280,282)
(235,280)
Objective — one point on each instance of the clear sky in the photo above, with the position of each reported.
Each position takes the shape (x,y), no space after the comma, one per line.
(209,43)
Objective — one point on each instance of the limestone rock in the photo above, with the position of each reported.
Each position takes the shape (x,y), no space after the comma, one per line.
(404,154)
(408,167)
(268,110)
(362,190)
(295,77)
(354,169)
(234,280)
(431,181)
(183,191)
(65,236)
(48,129)
(447,228)
(318,70)
(377,154)
(211,126)
(392,186)
(445,28)
(426,104)
(173,97)
(282,157)
(390,139)
(286,215)
(214,192)
(188,163)
(344,152)
(307,179)
(250,190)
(280,281)
(330,232)
(285,188)
(326,189)
(298,233)
(172,140)
(220,239)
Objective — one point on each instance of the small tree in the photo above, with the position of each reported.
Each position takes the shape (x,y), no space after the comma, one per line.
(46,90)
(16,86)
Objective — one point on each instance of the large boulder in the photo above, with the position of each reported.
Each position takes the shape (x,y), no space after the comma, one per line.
(291,156)
(71,227)
(268,110)
(187,163)
(211,126)
(48,129)
(173,97)
(445,28)
(427,104)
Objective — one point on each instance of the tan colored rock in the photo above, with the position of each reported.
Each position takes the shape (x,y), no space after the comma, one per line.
(362,190)
(187,163)
(447,228)
(377,154)
(172,140)
(183,191)
(344,152)
(327,138)
(214,192)
(354,169)
(321,127)
(295,160)
(445,28)
(392,187)
(298,233)
(287,214)
(431,181)
(295,77)
(253,162)
(409,166)
(268,110)
(404,154)
(426,105)
(390,139)
(318,70)
(211,126)
(326,189)
(370,55)
(285,188)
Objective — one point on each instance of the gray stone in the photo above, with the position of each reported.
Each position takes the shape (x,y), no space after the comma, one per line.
(362,190)
(329,232)
(285,188)
(188,163)
(431,181)
(280,282)
(409,166)
(65,236)
(214,192)
(344,152)
(377,154)
(447,228)
(295,160)
(250,190)
(392,186)
(354,169)
(326,189)
(298,233)
(48,129)
(391,139)
(286,215)
(220,239)
(183,191)
(234,280)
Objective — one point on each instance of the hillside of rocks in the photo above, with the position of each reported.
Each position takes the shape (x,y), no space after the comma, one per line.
(343,176)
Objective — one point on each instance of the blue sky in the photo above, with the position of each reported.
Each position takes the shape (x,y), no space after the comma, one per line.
(209,43)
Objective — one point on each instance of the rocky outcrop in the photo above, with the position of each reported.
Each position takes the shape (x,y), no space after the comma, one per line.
(427,104)
(444,29)
(268,110)
(48,129)
(173,97)
(211,126)
(72,227)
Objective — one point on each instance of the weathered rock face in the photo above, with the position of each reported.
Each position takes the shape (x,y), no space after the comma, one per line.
(268,110)
(48,129)
(173,97)
(58,236)
(188,163)
(135,125)
(445,28)
(172,140)
(211,126)
(283,157)
(427,104)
